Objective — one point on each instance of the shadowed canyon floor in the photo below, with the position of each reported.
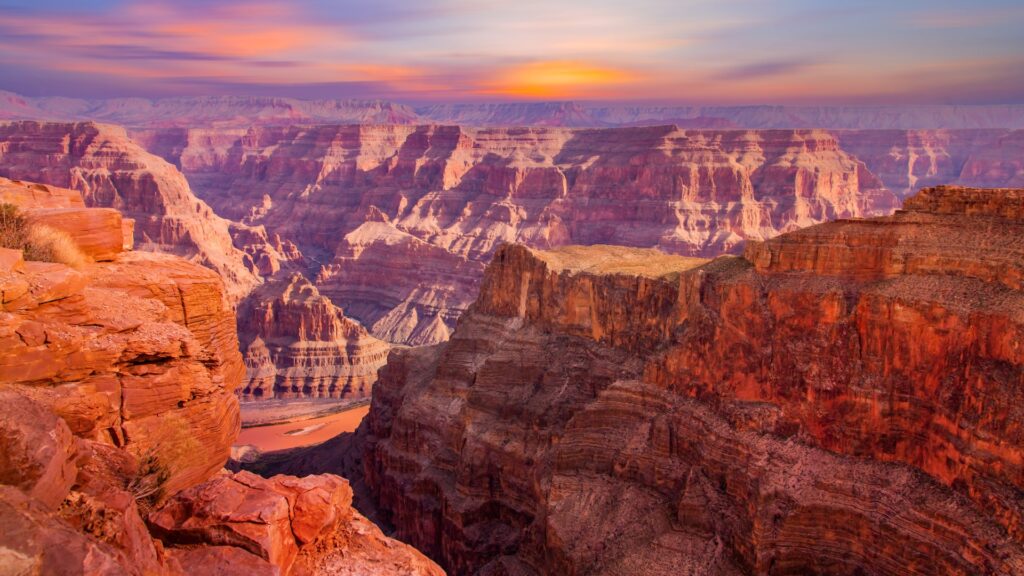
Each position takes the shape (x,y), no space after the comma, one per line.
(844,399)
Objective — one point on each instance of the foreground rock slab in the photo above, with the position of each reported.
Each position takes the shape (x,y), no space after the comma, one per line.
(117,403)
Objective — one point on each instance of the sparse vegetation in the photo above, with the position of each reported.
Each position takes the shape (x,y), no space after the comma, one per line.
(147,486)
(13,227)
(38,242)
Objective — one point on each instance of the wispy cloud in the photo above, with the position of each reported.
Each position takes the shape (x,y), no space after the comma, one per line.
(666,50)
(973,17)
(765,69)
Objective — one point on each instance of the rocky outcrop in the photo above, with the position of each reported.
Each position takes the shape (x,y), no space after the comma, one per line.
(297,344)
(402,218)
(100,234)
(842,399)
(117,412)
(111,171)
(300,525)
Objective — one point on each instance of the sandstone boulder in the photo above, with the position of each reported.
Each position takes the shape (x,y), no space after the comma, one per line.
(37,450)
(295,525)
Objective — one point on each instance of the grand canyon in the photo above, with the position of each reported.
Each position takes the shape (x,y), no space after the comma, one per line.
(303,291)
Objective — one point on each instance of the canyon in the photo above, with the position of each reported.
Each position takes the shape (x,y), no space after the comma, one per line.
(402,219)
(841,399)
(391,225)
(117,412)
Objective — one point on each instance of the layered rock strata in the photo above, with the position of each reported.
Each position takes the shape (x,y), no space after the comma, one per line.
(909,160)
(117,412)
(403,218)
(111,171)
(296,343)
(843,399)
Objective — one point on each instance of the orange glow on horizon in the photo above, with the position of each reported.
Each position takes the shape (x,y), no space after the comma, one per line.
(555,79)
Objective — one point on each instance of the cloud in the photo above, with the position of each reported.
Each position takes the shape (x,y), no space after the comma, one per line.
(765,69)
(695,51)
(975,17)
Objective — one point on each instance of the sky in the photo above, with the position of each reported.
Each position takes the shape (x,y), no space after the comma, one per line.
(665,51)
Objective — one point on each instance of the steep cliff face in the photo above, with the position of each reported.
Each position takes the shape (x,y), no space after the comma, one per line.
(1001,162)
(297,344)
(111,171)
(908,160)
(371,201)
(117,412)
(844,399)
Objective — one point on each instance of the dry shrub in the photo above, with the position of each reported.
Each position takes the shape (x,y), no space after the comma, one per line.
(13,227)
(46,244)
(38,242)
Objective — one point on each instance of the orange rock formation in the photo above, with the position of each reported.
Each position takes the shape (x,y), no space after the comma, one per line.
(844,399)
(404,218)
(297,343)
(117,412)
(111,171)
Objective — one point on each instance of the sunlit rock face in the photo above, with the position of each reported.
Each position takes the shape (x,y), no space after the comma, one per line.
(112,171)
(297,344)
(401,219)
(842,399)
(117,413)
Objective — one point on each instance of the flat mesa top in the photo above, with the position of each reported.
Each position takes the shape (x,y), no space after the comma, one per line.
(605,259)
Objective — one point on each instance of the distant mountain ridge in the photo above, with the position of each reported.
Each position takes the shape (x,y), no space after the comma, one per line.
(227,111)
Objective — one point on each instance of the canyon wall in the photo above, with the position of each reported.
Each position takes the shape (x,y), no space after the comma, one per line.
(112,171)
(117,412)
(908,160)
(402,219)
(297,344)
(843,399)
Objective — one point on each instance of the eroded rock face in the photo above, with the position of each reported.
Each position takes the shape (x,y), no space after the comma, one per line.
(111,171)
(301,525)
(909,160)
(843,399)
(403,218)
(297,344)
(117,403)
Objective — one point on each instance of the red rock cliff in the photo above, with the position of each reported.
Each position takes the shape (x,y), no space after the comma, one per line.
(297,343)
(111,171)
(843,399)
(117,411)
(404,217)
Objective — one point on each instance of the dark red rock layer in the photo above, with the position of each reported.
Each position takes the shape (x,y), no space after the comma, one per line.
(844,399)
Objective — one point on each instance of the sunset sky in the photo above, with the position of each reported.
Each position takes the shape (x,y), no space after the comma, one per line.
(679,51)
